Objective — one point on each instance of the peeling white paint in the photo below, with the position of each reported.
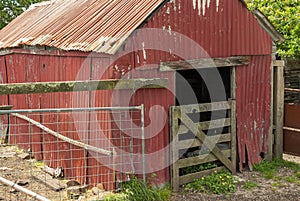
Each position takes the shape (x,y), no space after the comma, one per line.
(218,3)
(202,5)
(170,50)
(168,10)
(199,7)
(138,58)
(144,51)
(170,30)
(164,28)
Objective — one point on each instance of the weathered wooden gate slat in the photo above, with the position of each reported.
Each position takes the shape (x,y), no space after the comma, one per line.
(205,125)
(206,107)
(197,130)
(196,143)
(191,177)
(186,162)
(226,155)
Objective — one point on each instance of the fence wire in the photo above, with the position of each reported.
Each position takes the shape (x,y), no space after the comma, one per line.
(61,154)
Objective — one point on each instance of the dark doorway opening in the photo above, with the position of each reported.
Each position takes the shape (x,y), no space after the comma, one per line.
(191,88)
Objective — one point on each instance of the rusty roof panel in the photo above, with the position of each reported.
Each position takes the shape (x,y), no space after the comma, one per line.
(84,25)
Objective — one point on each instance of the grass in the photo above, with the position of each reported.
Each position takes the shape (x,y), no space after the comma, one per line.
(293,179)
(221,182)
(137,190)
(249,185)
(269,169)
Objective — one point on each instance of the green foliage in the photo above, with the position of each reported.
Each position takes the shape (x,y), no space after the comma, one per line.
(285,16)
(293,179)
(136,190)
(218,183)
(116,197)
(249,185)
(10,9)
(198,168)
(269,168)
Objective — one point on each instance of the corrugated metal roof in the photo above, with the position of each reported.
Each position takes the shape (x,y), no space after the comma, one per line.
(84,25)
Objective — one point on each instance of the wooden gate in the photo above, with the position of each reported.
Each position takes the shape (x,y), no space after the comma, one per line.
(202,134)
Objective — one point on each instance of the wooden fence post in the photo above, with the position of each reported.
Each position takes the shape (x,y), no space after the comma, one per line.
(278,106)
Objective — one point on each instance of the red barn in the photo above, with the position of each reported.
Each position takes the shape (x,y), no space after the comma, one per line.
(124,39)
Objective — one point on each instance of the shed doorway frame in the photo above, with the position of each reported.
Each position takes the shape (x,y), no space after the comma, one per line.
(176,115)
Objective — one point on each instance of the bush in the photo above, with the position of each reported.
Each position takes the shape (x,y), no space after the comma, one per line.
(285,16)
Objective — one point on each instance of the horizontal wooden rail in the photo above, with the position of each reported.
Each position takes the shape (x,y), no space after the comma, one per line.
(291,129)
(88,85)
(204,107)
(292,90)
(204,63)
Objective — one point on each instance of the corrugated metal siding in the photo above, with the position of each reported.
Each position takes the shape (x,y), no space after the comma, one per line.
(97,171)
(225,30)
(3,98)
(253,97)
(3,79)
(56,68)
(91,25)
(156,123)
(248,37)
(219,32)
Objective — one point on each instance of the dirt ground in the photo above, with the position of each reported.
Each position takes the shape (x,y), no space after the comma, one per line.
(16,169)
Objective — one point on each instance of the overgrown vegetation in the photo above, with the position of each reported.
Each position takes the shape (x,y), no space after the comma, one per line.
(269,169)
(137,190)
(249,185)
(221,182)
(285,16)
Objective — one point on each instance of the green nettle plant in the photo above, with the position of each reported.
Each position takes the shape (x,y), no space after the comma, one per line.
(137,190)
(285,16)
(222,182)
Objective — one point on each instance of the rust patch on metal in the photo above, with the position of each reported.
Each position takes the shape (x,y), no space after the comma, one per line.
(291,139)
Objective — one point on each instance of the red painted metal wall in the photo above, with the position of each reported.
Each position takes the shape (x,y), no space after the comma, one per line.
(225,30)
(253,95)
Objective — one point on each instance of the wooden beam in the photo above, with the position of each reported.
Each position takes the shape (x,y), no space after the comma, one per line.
(89,85)
(279,108)
(233,135)
(292,129)
(53,183)
(279,63)
(174,153)
(204,63)
(292,90)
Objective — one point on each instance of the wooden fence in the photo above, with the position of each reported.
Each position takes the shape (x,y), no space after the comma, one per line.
(197,142)
(292,81)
